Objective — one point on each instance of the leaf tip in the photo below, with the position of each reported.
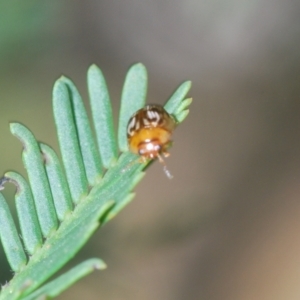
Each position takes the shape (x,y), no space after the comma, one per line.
(138,67)
(65,80)
(15,128)
(62,78)
(93,68)
(59,89)
(99,265)
(188,83)
(182,115)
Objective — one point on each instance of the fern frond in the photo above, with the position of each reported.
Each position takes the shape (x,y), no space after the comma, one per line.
(64,204)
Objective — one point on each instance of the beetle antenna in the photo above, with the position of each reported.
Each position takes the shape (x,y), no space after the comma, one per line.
(165,168)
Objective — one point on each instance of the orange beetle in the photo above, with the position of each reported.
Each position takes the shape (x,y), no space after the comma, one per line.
(149,132)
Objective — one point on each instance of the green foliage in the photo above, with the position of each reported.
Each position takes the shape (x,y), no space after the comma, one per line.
(23,24)
(62,205)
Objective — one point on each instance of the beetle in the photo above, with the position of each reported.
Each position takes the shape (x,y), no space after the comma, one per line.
(149,133)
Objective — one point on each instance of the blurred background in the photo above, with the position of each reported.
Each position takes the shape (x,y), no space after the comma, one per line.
(227,226)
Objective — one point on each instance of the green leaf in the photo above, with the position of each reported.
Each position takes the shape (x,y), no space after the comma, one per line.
(33,163)
(60,284)
(133,98)
(174,104)
(78,196)
(88,149)
(102,116)
(29,224)
(58,183)
(184,105)
(57,250)
(68,141)
(10,238)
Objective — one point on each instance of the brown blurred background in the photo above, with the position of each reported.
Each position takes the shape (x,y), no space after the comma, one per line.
(228,225)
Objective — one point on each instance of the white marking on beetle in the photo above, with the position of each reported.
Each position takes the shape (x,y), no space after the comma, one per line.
(150,114)
(137,125)
(131,126)
(146,122)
